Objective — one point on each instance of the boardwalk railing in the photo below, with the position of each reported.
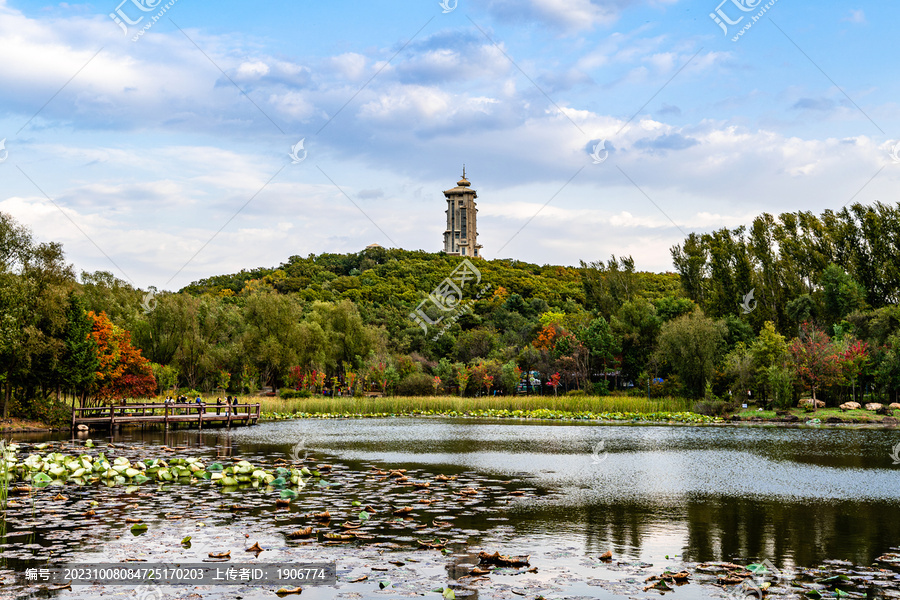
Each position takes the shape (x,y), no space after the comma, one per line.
(190,413)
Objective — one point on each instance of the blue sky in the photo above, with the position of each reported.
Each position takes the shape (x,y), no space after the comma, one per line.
(165,157)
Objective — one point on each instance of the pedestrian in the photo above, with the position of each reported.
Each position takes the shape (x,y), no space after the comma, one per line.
(218,404)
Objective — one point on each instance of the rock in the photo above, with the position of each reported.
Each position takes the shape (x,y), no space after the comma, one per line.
(894,406)
(874,406)
(809,402)
(81,427)
(850,406)
(892,421)
(790,418)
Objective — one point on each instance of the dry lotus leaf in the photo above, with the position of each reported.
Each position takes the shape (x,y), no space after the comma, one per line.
(255,548)
(323,516)
(403,511)
(287,591)
(301,533)
(220,554)
(503,561)
(606,555)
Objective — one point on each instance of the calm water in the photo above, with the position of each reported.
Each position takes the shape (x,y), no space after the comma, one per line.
(795,496)
(650,494)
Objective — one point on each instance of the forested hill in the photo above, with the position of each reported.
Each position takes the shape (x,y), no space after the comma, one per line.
(386,285)
(381,276)
(747,309)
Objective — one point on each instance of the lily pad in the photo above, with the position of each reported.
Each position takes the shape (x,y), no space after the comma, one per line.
(138,528)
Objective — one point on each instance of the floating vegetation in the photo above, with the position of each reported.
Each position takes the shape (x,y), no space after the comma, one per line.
(502,413)
(56,468)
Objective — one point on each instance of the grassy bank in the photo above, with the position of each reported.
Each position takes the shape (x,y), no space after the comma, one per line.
(455,404)
(823,414)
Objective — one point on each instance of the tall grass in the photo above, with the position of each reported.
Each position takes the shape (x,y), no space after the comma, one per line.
(441,404)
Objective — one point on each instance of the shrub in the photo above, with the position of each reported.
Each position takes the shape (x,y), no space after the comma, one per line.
(575,393)
(601,388)
(47,410)
(416,384)
(287,393)
(781,382)
(710,408)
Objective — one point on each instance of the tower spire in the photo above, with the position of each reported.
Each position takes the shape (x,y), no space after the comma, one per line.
(464,170)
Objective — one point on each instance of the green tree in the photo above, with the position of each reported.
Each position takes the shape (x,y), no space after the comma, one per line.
(691,344)
(842,294)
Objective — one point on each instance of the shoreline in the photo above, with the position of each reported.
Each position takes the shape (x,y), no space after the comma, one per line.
(733,421)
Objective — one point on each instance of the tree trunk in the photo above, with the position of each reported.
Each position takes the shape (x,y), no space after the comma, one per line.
(6,396)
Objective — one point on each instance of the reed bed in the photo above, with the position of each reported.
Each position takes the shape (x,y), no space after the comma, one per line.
(447,404)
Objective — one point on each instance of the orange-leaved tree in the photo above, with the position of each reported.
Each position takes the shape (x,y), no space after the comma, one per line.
(123,372)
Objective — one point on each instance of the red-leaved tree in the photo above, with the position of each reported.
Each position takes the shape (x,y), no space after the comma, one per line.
(815,358)
(123,372)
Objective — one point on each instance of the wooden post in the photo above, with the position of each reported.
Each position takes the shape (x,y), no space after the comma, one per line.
(230,411)
(166,416)
(200,416)
(111,421)
(73,416)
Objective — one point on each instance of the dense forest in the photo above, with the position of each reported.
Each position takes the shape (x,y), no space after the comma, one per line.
(792,305)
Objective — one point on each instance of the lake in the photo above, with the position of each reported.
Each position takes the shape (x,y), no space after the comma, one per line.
(562,492)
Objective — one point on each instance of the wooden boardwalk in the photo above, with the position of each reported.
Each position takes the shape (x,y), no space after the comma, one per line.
(199,415)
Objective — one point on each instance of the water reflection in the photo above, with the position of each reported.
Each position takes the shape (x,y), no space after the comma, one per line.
(794,496)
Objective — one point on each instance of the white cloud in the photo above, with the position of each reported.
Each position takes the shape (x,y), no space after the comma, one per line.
(855,16)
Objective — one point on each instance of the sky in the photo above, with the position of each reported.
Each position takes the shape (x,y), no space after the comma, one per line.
(168,141)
